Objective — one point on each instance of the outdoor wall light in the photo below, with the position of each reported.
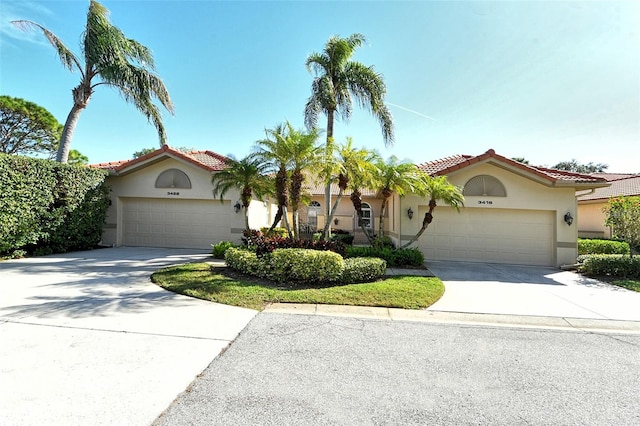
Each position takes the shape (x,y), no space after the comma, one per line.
(410,213)
(335,221)
(237,207)
(568,219)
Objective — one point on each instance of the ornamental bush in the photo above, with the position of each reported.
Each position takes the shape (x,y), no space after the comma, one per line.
(304,265)
(363,269)
(247,262)
(218,250)
(393,257)
(596,246)
(614,265)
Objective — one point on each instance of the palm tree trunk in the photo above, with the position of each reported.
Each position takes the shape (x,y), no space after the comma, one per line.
(246,219)
(296,224)
(326,231)
(67,133)
(327,190)
(382,209)
(428,218)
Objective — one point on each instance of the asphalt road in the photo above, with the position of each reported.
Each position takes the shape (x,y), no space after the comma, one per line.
(313,370)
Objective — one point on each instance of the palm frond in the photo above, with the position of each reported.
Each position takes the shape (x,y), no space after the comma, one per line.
(68,59)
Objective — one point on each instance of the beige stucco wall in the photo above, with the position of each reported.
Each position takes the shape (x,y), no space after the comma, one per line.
(522,193)
(591,220)
(345,212)
(141,183)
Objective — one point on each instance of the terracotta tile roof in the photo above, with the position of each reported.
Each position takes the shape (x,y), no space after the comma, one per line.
(316,188)
(615,176)
(456,162)
(629,186)
(207,160)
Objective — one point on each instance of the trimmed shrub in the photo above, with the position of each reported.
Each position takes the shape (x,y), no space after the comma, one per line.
(393,257)
(218,250)
(615,265)
(363,269)
(597,246)
(48,207)
(303,265)
(346,239)
(246,261)
(276,232)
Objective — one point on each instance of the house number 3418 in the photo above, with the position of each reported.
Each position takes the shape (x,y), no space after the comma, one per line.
(485,202)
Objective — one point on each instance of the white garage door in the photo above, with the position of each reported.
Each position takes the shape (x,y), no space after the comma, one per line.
(489,235)
(152,222)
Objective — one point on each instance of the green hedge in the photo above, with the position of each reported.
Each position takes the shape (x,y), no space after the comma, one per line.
(48,207)
(393,257)
(614,265)
(596,246)
(304,266)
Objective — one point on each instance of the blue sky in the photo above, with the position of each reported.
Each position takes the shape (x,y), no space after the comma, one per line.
(547,81)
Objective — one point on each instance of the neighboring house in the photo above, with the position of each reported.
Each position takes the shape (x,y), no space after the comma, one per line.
(514,213)
(165,199)
(591,217)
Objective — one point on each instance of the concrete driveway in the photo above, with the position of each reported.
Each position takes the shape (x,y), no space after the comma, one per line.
(86,338)
(530,290)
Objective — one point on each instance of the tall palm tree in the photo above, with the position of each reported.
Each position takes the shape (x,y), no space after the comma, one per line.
(437,188)
(112,59)
(338,81)
(362,171)
(394,176)
(247,175)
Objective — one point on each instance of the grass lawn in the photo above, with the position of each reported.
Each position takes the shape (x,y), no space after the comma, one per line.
(225,286)
(628,284)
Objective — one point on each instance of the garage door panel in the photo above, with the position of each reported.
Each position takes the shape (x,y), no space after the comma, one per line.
(490,235)
(174,223)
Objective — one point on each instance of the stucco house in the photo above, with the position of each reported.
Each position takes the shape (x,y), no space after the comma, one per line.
(165,199)
(591,216)
(514,213)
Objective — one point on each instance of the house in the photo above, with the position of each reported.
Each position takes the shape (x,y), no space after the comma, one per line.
(514,213)
(591,217)
(165,199)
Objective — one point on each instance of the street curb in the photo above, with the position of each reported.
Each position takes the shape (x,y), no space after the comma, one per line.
(494,320)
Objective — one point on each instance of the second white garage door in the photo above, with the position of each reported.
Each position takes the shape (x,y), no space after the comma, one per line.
(152,222)
(489,235)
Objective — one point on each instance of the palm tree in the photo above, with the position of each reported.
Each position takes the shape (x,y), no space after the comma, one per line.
(438,188)
(116,61)
(247,175)
(362,172)
(338,81)
(353,166)
(274,152)
(396,177)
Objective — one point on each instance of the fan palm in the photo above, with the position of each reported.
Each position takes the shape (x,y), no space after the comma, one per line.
(111,59)
(437,188)
(248,176)
(338,82)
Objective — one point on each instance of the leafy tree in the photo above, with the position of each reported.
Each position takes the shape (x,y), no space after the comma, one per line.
(362,172)
(145,151)
(396,177)
(623,216)
(76,157)
(112,59)
(248,176)
(574,166)
(437,188)
(27,128)
(338,81)
(521,160)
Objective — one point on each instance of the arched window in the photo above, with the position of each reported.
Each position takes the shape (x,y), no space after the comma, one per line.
(367,216)
(173,178)
(313,210)
(484,186)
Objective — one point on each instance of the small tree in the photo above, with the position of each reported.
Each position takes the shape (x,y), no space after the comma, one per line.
(27,128)
(574,166)
(623,216)
(437,188)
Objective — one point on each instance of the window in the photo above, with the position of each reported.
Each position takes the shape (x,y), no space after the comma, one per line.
(367,216)
(173,178)
(484,186)
(312,214)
